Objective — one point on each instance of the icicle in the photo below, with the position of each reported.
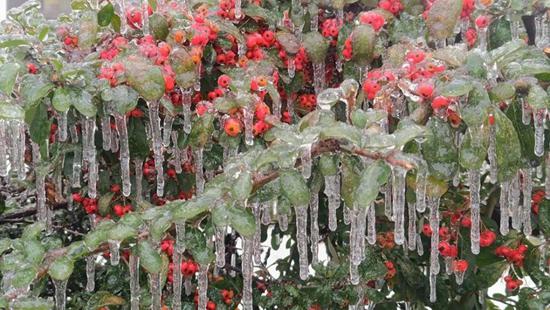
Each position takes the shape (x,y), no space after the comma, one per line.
(188,286)
(513,202)
(492,154)
(124,154)
(291,68)
(346,213)
(540,119)
(114,250)
(525,111)
(301,237)
(220,246)
(504,210)
(62,126)
(388,200)
(459,276)
(283,221)
(145,17)
(332,190)
(371,224)
(481,296)
(249,124)
(247,268)
(202,279)
(199,170)
(411,233)
(314,226)
(90,273)
(133,266)
(89,154)
(543,261)
(354,277)
(60,293)
(420,191)
(114,141)
(398,203)
(106,132)
(306,160)
(266,214)
(167,129)
(157,145)
(257,211)
(3,149)
(433,204)
(539,30)
(474,181)
(17,154)
(547,174)
(41,207)
(176,151)
(180,238)
(448,265)
(433,288)
(198,71)
(176,281)
(77,160)
(155,288)
(319,76)
(456,179)
(238,9)
(187,113)
(290,107)
(419,245)
(482,39)
(314,20)
(138,170)
(526,210)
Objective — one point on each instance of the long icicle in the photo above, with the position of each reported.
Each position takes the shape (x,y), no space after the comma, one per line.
(411,233)
(513,202)
(220,246)
(202,279)
(388,210)
(474,180)
(433,204)
(199,170)
(314,226)
(301,237)
(3,149)
(106,131)
(371,224)
(90,273)
(155,290)
(332,190)
(133,266)
(120,120)
(60,293)
(504,210)
(547,175)
(247,270)
(527,194)
(176,280)
(90,155)
(539,120)
(62,126)
(167,130)
(43,213)
(138,171)
(157,145)
(257,211)
(398,203)
(492,154)
(77,160)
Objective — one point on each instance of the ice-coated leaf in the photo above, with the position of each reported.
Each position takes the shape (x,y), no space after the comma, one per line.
(503,91)
(8,74)
(201,130)
(372,178)
(508,148)
(456,87)
(62,99)
(499,32)
(159,26)
(439,149)
(88,27)
(82,101)
(121,232)
(103,299)
(242,186)
(237,218)
(442,18)
(149,258)
(473,153)
(363,40)
(475,113)
(123,98)
(39,124)
(184,67)
(328,164)
(11,112)
(351,176)
(294,188)
(526,132)
(33,231)
(538,98)
(105,15)
(145,78)
(343,131)
(32,303)
(288,41)
(316,46)
(159,226)
(33,88)
(61,268)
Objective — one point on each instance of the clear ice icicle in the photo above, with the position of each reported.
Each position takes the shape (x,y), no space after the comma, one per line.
(346,215)
(176,151)
(114,250)
(314,20)
(526,206)
(459,276)
(354,277)
(199,170)
(40,183)
(220,246)
(89,153)
(157,145)
(398,203)
(314,226)
(332,190)
(371,224)
(291,68)
(180,238)
(433,204)
(283,221)
(155,289)
(301,237)
(3,150)
(266,214)
(305,157)
(77,160)
(247,270)
(547,174)
(513,202)
(319,76)
(138,170)
(21,144)
(177,280)
(433,288)
(388,211)
(124,156)
(249,124)
(419,245)
(482,41)
(238,9)
(133,266)
(90,273)
(525,111)
(448,265)
(411,232)
(187,113)
(60,293)
(106,132)
(167,129)
(257,211)
(114,141)
(474,181)
(62,126)
(539,120)
(202,279)
(492,154)
(504,210)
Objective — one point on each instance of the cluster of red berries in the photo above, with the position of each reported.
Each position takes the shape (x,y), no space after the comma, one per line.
(447,250)
(483,21)
(115,47)
(538,196)
(210,305)
(460,265)
(372,18)
(347,52)
(512,284)
(227,296)
(32,68)
(70,41)
(392,6)
(468,7)
(226,9)
(112,73)
(391,270)
(89,204)
(203,32)
(471,37)
(386,240)
(515,256)
(374,81)
(134,17)
(417,67)
(330,28)
(308,101)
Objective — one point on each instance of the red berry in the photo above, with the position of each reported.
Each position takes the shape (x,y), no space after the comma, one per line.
(460,265)
(223,81)
(440,102)
(115,188)
(77,197)
(425,90)
(483,21)
(232,127)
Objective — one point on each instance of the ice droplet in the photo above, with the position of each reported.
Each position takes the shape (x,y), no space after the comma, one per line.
(249,124)
(459,276)
(398,203)
(388,210)
(448,265)
(266,214)
(540,120)
(371,224)
(238,10)
(220,246)
(482,39)
(526,208)
(291,68)
(199,170)
(133,266)
(154,121)
(332,191)
(346,215)
(504,210)
(90,273)
(492,154)
(354,277)
(60,293)
(187,113)
(124,154)
(247,270)
(433,204)
(202,279)
(411,236)
(301,237)
(314,226)
(114,250)
(474,181)
(419,245)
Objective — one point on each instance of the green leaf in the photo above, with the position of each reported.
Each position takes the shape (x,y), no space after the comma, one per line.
(316,46)
(239,219)
(13,43)
(137,138)
(145,78)
(184,67)
(105,15)
(439,149)
(456,88)
(499,32)
(473,149)
(159,26)
(328,164)
(159,226)
(242,186)
(87,32)
(288,41)
(294,188)
(372,178)
(39,124)
(61,268)
(351,177)
(102,299)
(476,112)
(508,148)
(33,231)
(201,130)
(123,98)
(82,101)
(33,88)
(150,259)
(442,18)
(121,232)
(526,132)
(8,74)
(11,112)
(538,98)
(342,131)
(363,40)
(116,23)
(62,99)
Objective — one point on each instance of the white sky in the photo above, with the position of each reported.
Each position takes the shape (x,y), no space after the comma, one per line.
(3,4)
